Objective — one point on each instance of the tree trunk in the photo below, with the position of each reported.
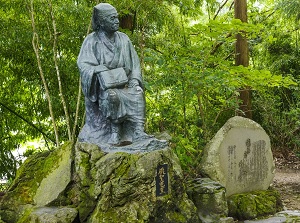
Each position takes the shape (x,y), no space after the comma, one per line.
(242,57)
(35,44)
(79,99)
(127,21)
(55,56)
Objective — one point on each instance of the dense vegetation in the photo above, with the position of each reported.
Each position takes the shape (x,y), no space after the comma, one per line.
(187,49)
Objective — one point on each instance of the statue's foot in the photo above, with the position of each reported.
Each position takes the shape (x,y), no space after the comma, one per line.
(125,143)
(114,139)
(141,135)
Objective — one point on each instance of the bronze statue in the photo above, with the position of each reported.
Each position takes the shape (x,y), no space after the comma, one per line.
(112,83)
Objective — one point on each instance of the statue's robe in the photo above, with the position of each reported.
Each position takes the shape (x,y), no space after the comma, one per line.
(100,113)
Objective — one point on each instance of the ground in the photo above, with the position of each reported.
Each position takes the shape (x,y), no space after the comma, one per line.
(287,180)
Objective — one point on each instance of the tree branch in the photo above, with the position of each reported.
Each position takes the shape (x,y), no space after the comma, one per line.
(79,97)
(219,10)
(55,34)
(28,122)
(216,46)
(35,44)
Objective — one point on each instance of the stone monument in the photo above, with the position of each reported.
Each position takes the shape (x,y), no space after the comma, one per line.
(240,157)
(112,84)
(115,172)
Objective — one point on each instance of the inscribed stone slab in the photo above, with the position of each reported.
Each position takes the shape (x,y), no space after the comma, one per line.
(240,157)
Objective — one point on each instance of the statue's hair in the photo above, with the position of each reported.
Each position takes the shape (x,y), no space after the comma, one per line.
(100,12)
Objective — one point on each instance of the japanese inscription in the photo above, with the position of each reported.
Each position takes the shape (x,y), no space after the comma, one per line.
(252,167)
(162,180)
(240,157)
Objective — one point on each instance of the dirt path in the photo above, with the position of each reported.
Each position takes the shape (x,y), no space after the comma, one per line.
(287,181)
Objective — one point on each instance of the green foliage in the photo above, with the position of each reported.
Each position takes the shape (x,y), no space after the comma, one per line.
(187,54)
(276,49)
(290,8)
(193,80)
(24,113)
(281,123)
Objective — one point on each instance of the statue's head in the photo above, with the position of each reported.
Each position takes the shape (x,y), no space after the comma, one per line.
(105,17)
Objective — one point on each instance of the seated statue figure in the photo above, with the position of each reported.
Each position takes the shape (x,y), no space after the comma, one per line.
(111,82)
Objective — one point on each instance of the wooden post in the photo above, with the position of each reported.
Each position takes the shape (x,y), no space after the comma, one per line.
(242,57)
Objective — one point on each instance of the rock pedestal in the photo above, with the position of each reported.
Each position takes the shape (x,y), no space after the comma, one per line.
(85,184)
(239,157)
(123,187)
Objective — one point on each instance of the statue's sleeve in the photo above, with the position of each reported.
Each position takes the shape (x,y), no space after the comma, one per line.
(86,63)
(136,72)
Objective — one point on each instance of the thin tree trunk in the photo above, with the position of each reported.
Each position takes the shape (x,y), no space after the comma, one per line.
(184,110)
(242,57)
(35,44)
(79,99)
(55,34)
(77,110)
(142,48)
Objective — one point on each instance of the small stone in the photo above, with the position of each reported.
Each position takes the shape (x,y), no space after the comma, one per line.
(226,220)
(269,220)
(51,215)
(209,198)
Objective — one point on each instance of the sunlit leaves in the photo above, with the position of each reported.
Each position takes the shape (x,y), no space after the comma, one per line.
(290,8)
(187,54)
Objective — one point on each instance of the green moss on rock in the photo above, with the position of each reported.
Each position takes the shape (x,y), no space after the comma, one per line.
(25,216)
(254,204)
(122,188)
(113,187)
(28,179)
(9,216)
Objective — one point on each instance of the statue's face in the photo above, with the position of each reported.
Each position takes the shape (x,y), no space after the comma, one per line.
(111,23)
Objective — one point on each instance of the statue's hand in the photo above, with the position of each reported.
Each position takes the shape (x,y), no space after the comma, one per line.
(100,68)
(138,88)
(133,83)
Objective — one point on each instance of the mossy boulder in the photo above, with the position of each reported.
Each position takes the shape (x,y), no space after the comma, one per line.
(85,184)
(40,180)
(254,204)
(121,187)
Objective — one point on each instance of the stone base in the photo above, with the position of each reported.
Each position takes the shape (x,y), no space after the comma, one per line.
(144,145)
(122,187)
(86,184)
